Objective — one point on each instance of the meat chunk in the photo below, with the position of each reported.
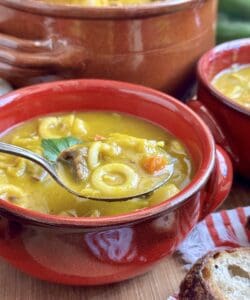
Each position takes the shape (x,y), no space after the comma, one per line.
(76,157)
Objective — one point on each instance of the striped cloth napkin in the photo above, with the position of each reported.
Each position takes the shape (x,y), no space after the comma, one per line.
(220,230)
(223,229)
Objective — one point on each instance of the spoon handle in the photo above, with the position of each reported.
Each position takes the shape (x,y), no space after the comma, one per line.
(24,153)
(36,158)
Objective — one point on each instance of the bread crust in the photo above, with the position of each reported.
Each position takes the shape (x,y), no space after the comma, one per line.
(195,285)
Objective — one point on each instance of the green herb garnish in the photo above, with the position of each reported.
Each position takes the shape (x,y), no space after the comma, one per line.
(53,147)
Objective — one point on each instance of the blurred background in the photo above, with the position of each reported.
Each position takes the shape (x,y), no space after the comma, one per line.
(233,20)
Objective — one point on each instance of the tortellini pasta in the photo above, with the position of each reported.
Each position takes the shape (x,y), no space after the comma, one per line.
(56,127)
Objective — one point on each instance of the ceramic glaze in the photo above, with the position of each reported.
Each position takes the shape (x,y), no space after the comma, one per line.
(155,45)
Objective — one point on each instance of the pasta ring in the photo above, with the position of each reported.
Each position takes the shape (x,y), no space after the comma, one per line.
(96,148)
(130,183)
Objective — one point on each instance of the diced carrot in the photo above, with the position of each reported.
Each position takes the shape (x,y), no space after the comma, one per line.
(99,138)
(152,164)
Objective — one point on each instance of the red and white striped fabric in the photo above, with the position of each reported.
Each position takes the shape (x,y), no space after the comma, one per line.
(227,228)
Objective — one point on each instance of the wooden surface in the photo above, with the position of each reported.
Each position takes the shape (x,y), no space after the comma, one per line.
(161,282)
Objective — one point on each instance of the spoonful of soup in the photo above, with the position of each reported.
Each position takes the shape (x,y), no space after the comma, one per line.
(114,168)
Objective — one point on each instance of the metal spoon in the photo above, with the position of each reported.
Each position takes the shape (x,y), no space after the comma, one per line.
(52,170)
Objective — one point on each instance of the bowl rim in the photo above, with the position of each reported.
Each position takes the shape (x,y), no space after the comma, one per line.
(77,11)
(207,58)
(154,96)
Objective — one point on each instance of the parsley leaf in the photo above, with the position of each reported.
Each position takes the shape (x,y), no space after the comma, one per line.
(53,147)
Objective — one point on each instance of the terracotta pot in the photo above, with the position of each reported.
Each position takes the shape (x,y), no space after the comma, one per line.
(229,122)
(156,45)
(89,251)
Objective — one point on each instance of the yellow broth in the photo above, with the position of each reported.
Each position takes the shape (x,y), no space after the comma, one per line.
(234,83)
(27,185)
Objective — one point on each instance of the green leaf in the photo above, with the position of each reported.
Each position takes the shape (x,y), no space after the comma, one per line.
(53,147)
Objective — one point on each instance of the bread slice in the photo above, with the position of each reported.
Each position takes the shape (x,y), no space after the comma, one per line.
(220,275)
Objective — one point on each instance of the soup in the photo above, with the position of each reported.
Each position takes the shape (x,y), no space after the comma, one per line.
(103,138)
(98,2)
(234,83)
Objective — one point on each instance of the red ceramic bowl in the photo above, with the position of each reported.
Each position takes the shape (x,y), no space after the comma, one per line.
(229,122)
(90,251)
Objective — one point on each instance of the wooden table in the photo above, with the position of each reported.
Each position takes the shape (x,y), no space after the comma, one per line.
(161,282)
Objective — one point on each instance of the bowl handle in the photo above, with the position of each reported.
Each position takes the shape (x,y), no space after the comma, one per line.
(208,118)
(20,57)
(210,121)
(219,184)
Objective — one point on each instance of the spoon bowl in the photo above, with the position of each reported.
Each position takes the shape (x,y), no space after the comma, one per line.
(51,168)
